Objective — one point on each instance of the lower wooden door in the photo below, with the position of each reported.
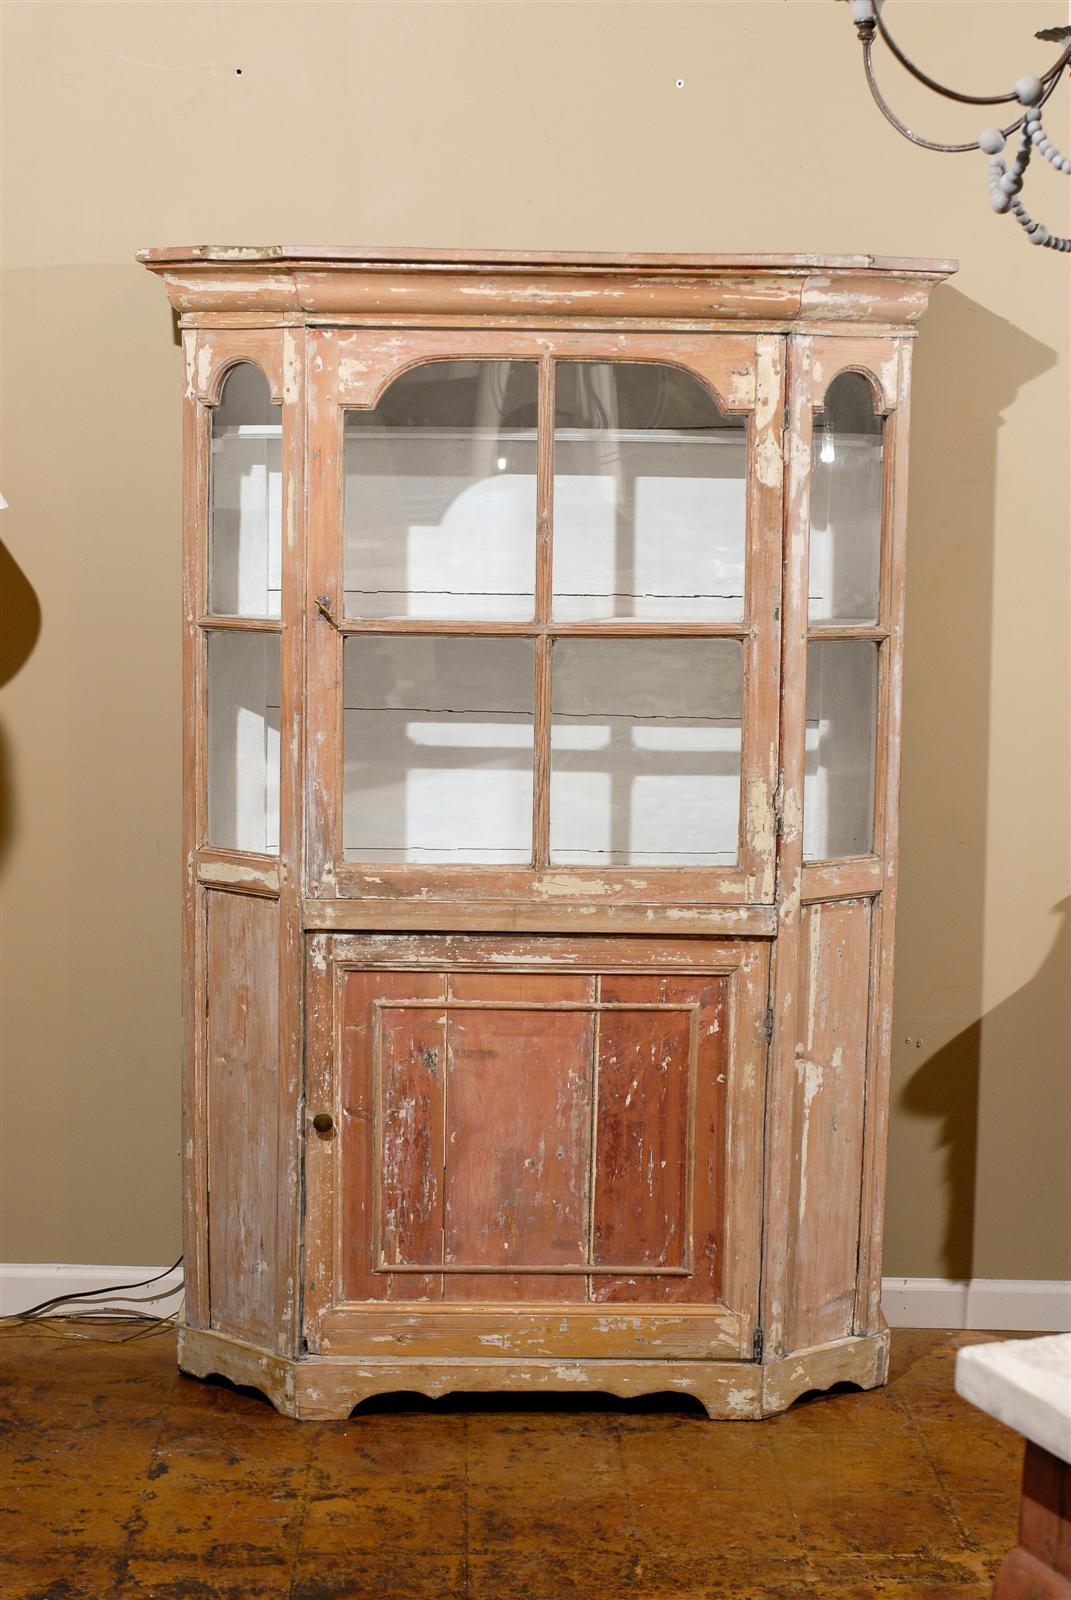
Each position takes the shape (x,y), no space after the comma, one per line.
(543,1146)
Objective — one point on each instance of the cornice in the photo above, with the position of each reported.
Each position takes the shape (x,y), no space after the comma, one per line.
(321,284)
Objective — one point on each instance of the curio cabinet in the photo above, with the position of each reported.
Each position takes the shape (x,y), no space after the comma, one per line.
(543,627)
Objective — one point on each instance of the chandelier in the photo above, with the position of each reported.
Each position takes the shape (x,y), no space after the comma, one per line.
(1030,93)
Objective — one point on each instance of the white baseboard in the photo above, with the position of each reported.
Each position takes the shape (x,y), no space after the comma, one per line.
(1018,1305)
(24,1284)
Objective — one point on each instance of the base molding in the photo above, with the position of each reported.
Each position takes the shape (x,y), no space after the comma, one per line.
(24,1284)
(326,1388)
(1012,1305)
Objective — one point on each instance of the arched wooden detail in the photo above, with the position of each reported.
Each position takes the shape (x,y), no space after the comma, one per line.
(212,354)
(876,361)
(359,366)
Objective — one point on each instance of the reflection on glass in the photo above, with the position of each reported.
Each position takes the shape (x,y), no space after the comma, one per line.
(440,516)
(243,741)
(645,752)
(846,504)
(438,749)
(245,532)
(842,717)
(649,496)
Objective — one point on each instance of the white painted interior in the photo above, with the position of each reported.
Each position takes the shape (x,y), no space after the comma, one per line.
(841,748)
(245,534)
(438,749)
(440,494)
(649,525)
(846,504)
(440,523)
(645,752)
(243,741)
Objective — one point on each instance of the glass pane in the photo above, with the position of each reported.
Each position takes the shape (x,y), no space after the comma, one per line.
(441,494)
(842,719)
(438,749)
(645,752)
(243,741)
(246,518)
(846,502)
(649,496)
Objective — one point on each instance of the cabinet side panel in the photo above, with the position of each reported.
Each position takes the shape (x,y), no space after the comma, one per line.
(242,1112)
(827,1119)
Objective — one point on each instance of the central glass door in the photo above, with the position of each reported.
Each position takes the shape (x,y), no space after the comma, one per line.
(550,630)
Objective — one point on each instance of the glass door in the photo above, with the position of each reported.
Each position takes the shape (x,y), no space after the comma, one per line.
(552,584)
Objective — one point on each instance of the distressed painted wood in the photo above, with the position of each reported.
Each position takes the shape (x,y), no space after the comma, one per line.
(827,1120)
(242,1060)
(600,1134)
(328,1389)
(281,280)
(531,1125)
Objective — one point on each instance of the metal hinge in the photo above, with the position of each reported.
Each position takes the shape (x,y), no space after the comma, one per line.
(756,1346)
(767,1026)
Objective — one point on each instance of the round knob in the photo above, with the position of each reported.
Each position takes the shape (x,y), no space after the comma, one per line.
(323,1122)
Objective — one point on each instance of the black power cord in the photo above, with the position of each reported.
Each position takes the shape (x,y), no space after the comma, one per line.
(144,1321)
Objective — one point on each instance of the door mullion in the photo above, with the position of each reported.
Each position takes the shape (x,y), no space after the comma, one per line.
(543,599)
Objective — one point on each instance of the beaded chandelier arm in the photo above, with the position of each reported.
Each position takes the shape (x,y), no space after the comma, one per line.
(1029,92)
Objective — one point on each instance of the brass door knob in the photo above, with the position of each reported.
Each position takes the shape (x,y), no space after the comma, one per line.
(323,1122)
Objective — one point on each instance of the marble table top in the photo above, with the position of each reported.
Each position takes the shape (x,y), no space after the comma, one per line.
(1025,1383)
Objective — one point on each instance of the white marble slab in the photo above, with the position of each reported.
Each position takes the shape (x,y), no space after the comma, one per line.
(1025,1383)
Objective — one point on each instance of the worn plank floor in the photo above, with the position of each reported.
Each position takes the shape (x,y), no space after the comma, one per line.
(124,1481)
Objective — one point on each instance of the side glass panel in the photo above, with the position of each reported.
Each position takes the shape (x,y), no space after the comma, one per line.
(645,752)
(243,741)
(245,521)
(846,504)
(440,512)
(649,496)
(842,715)
(438,749)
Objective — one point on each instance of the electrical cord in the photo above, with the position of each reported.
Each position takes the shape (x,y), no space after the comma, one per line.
(145,1322)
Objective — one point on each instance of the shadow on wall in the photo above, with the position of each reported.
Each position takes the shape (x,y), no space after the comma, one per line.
(20,625)
(945,1087)
(969,367)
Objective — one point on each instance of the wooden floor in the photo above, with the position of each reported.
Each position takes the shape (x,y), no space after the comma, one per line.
(122,1479)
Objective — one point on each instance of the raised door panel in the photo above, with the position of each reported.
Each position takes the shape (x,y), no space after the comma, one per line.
(241,1115)
(828,1106)
(509,1140)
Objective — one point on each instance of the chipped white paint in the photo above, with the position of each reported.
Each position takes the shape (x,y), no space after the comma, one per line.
(742,386)
(291,367)
(203,368)
(769,463)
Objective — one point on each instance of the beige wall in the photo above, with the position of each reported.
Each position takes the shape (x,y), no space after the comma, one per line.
(543,126)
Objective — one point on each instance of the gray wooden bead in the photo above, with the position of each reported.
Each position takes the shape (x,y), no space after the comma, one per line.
(991,140)
(1000,201)
(1028,89)
(1011,184)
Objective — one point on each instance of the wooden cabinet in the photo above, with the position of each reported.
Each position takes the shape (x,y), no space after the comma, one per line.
(542,685)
